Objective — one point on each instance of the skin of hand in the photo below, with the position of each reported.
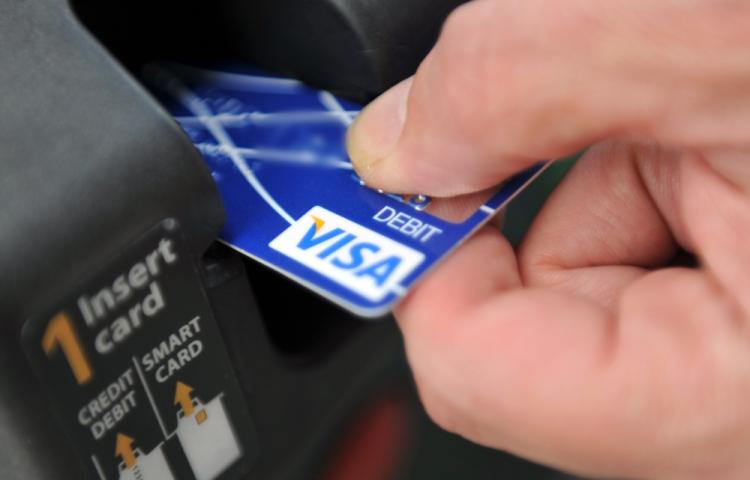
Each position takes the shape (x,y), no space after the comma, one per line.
(583,349)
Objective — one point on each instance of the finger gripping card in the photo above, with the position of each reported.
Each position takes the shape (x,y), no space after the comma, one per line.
(276,150)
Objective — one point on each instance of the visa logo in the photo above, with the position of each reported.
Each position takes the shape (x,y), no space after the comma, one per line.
(357,258)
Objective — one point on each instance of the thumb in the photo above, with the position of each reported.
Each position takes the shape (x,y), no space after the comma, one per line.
(509,83)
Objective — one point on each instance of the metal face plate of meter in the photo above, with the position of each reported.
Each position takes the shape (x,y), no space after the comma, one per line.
(137,371)
(276,150)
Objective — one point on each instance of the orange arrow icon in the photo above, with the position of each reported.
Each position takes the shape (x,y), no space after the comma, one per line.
(182,397)
(124,449)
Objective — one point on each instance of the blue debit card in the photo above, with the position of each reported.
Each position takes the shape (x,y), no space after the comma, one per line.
(275,148)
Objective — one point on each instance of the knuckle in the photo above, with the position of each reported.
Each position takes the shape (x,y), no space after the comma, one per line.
(441,412)
(439,393)
(469,69)
(428,360)
(460,21)
(491,76)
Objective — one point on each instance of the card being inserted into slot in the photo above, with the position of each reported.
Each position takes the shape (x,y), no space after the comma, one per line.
(275,148)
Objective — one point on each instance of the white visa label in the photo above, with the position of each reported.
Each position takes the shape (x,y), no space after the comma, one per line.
(353,256)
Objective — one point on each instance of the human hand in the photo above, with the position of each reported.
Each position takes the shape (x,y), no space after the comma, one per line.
(583,350)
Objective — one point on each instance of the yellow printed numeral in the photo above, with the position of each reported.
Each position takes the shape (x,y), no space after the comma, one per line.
(60,332)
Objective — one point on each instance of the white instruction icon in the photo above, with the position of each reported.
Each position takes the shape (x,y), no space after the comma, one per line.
(207,438)
(150,466)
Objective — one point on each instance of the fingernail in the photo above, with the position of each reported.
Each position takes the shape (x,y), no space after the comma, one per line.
(375,132)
